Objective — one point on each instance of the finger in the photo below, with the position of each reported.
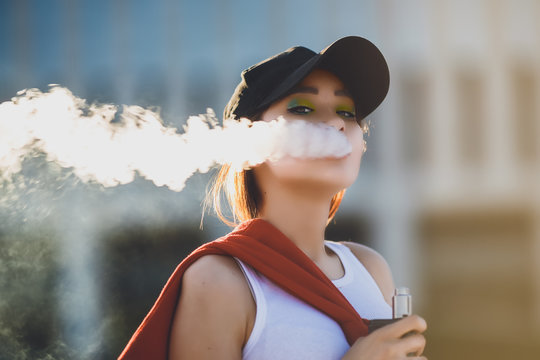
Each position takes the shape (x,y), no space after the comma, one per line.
(413,344)
(412,323)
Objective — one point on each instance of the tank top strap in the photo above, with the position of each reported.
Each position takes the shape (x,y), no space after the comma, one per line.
(356,269)
(341,250)
(348,260)
(254,282)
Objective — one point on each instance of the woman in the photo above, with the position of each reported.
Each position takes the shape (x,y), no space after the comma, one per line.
(282,291)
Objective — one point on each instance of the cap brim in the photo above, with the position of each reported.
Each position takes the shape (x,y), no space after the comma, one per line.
(357,62)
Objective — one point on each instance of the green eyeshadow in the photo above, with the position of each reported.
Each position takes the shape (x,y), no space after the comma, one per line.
(347,108)
(300,102)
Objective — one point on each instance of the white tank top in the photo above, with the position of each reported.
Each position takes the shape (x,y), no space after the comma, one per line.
(287,328)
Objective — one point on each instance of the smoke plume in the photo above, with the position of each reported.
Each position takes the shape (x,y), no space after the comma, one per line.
(108,145)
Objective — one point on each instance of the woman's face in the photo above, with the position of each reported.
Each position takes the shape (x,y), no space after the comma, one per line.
(322,98)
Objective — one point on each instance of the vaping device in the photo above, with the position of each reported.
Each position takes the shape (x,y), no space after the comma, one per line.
(401,303)
(401,307)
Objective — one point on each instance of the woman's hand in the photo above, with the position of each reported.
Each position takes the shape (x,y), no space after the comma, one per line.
(389,342)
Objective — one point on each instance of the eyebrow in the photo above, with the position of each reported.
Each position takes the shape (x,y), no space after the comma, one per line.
(313,90)
(343,92)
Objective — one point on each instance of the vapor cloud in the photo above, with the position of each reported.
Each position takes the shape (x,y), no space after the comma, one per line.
(109,144)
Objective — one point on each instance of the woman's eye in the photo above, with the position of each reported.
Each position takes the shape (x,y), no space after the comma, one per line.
(346,114)
(300,110)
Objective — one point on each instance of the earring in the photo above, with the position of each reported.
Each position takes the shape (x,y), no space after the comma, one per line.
(365,145)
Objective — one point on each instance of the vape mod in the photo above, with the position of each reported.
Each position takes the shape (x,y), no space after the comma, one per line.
(401,303)
(401,307)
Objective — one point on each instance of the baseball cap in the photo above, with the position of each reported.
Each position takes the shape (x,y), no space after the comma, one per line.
(357,62)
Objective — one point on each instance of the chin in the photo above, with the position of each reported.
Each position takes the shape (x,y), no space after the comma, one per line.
(342,172)
(327,179)
(328,175)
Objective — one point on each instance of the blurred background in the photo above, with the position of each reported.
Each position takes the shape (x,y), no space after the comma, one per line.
(448,191)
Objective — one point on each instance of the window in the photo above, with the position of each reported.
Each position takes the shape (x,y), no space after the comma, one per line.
(523,95)
(470,116)
(414,92)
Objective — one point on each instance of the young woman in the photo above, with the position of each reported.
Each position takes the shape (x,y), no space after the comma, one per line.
(275,288)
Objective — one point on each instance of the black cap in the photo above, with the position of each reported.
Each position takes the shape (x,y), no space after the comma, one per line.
(354,60)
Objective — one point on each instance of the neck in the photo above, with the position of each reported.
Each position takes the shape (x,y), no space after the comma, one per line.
(300,215)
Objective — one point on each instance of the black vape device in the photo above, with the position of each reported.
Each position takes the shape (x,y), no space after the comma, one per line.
(401,307)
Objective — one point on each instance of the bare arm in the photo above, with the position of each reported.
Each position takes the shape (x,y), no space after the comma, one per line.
(216,311)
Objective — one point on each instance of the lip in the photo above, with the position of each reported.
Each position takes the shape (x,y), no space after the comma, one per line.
(337,157)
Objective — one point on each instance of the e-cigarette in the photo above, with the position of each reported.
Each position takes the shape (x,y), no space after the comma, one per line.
(401,303)
(401,307)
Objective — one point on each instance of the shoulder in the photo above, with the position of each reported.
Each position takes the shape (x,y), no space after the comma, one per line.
(376,265)
(218,281)
(214,272)
(216,308)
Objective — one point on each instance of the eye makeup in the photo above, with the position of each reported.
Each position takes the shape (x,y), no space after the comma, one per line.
(347,111)
(299,106)
(302,106)
(300,102)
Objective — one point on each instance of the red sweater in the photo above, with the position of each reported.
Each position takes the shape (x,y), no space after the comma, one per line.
(266,249)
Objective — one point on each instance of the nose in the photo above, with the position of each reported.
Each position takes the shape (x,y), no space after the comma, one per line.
(336,122)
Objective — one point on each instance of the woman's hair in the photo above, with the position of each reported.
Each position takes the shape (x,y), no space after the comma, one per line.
(244,197)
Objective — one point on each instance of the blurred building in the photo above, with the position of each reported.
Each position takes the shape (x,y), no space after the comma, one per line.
(463,124)
(448,190)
